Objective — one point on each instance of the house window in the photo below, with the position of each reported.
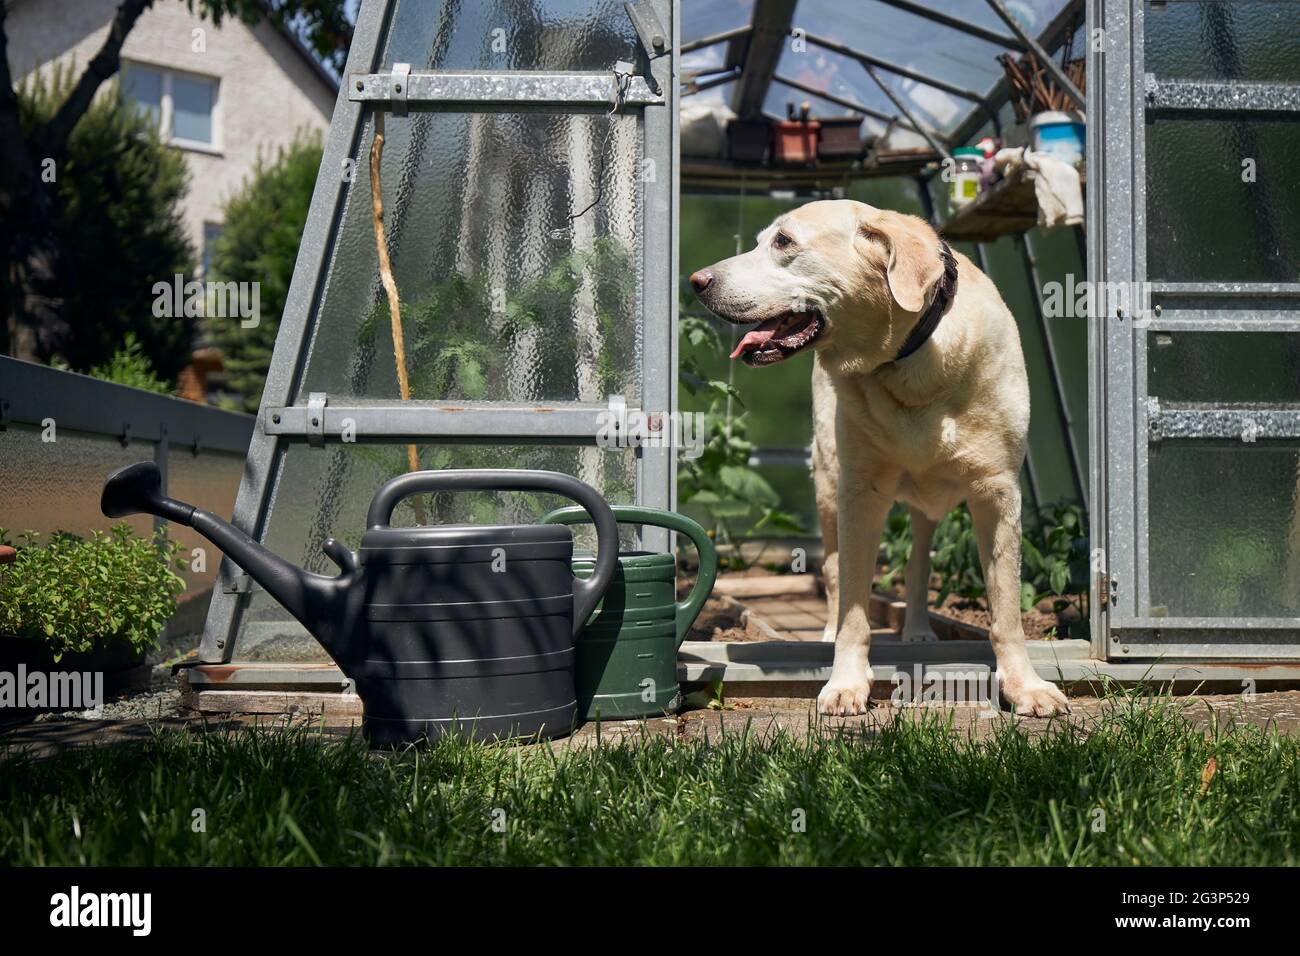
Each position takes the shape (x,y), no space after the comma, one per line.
(211,233)
(182,105)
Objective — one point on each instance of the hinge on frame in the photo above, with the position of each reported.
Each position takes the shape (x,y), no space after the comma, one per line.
(1107,590)
(1107,584)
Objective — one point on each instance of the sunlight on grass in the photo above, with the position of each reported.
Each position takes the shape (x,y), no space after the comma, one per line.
(1134,788)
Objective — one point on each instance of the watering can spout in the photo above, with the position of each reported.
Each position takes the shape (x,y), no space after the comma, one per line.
(316,600)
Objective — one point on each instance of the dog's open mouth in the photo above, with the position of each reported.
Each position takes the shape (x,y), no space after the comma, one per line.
(779,338)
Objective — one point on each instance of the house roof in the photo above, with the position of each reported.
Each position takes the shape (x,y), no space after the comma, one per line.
(306,54)
(290,37)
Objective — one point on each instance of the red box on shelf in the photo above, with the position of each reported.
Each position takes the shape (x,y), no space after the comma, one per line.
(794,142)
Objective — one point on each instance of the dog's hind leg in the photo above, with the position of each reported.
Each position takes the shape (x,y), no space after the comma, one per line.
(996,513)
(916,625)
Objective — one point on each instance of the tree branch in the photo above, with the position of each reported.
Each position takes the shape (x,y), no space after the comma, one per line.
(13,155)
(54,134)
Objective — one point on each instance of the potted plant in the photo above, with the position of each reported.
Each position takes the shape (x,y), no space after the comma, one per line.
(96,604)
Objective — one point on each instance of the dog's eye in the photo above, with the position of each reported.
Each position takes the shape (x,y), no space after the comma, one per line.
(781,240)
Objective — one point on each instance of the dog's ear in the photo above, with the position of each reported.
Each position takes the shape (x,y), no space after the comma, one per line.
(914,263)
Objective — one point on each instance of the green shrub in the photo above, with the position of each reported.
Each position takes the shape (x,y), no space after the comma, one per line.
(1053,551)
(73,591)
(120,192)
(721,480)
(264,221)
(130,366)
(956,557)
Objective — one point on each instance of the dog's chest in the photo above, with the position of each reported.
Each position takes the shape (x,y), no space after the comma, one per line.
(934,493)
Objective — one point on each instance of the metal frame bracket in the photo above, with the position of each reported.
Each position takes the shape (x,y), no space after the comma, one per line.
(315,419)
(1222,96)
(653,36)
(400,87)
(477,90)
(1234,422)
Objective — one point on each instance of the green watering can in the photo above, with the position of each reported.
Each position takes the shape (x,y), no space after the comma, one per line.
(626,663)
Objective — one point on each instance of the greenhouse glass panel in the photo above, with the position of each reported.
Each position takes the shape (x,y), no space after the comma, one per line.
(1218,40)
(1224,366)
(507,35)
(54,485)
(516,246)
(702,18)
(1225,530)
(530,224)
(1244,222)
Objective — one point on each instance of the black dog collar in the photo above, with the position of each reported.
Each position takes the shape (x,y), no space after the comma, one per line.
(943,297)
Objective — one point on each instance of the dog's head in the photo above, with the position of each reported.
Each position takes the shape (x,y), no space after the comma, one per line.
(833,274)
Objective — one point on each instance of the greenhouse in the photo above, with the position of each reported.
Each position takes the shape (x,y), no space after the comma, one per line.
(648,433)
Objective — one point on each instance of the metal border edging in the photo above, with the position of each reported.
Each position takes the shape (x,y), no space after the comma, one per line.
(30,393)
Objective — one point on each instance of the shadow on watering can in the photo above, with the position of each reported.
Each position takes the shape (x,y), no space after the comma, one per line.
(461,629)
(627,653)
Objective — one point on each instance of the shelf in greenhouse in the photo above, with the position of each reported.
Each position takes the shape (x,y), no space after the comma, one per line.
(1010,208)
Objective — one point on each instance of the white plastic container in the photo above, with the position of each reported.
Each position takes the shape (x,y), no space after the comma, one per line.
(964,184)
(1058,134)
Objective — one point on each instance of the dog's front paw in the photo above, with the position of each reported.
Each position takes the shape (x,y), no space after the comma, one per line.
(1036,698)
(839,699)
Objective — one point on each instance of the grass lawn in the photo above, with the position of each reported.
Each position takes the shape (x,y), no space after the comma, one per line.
(1133,788)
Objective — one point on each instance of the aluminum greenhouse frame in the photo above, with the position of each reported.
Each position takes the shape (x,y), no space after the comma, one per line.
(1130,640)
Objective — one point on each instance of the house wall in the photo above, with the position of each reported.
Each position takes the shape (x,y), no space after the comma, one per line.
(267,91)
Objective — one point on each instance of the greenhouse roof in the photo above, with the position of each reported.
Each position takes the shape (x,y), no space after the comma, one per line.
(925,69)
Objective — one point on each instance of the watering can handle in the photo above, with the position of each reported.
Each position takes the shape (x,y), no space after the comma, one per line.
(586,594)
(689,609)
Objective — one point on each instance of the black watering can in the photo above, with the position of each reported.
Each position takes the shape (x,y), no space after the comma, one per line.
(446,629)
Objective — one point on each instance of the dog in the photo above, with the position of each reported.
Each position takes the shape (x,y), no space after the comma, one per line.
(919,395)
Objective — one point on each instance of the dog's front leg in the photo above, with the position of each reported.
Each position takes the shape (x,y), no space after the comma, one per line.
(861,520)
(996,514)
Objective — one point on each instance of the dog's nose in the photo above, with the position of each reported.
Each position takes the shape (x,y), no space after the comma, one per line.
(701,280)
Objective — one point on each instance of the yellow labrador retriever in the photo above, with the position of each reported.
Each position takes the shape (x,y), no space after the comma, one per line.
(919,395)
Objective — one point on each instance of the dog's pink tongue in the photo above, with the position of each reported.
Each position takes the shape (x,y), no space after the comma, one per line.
(755,338)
